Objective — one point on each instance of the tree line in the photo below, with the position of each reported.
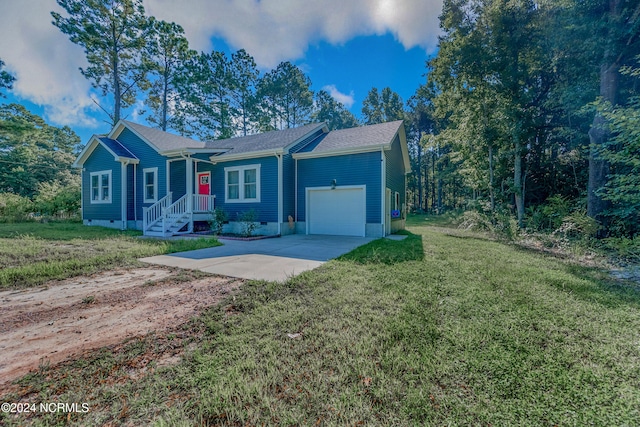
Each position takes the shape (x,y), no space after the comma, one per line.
(530,102)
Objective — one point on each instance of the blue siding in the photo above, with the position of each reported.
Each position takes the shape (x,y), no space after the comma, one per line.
(267,209)
(178,179)
(395,176)
(352,169)
(130,193)
(101,160)
(149,158)
(288,175)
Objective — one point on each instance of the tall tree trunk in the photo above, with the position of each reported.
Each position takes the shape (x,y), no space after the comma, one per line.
(419,178)
(165,91)
(117,92)
(492,195)
(598,136)
(517,180)
(433,180)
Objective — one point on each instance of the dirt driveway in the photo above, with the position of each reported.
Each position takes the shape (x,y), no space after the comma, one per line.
(61,320)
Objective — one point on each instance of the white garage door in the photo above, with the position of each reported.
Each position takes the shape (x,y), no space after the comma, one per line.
(340,211)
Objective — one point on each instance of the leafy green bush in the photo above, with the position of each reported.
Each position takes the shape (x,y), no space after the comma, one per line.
(54,198)
(217,219)
(248,222)
(476,221)
(621,151)
(481,218)
(550,215)
(577,226)
(15,208)
(624,247)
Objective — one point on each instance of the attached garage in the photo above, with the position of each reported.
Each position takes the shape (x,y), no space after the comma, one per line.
(337,211)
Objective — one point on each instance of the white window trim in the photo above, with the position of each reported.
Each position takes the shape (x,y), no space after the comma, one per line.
(155,184)
(396,201)
(110,186)
(241,170)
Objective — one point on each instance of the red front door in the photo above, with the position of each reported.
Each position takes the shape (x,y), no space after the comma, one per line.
(204,186)
(204,189)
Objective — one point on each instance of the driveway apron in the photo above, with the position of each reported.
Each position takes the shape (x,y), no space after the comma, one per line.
(274,259)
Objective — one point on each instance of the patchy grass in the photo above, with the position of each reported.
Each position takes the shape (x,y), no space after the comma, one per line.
(432,330)
(33,253)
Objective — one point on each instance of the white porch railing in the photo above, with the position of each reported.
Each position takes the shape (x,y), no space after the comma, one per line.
(154,213)
(203,203)
(174,213)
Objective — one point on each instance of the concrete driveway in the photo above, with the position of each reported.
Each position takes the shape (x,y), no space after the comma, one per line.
(269,259)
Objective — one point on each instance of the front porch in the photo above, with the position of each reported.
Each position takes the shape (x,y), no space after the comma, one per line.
(167,218)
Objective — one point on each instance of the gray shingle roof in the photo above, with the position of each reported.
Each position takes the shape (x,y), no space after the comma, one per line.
(358,137)
(164,140)
(264,141)
(337,140)
(117,148)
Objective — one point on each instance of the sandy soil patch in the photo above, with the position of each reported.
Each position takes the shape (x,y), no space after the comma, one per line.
(61,320)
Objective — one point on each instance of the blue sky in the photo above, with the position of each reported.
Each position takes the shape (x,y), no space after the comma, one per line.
(345,47)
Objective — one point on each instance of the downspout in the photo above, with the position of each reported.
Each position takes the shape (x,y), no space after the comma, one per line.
(295,213)
(280,201)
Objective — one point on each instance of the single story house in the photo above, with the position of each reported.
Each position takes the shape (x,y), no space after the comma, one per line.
(303,180)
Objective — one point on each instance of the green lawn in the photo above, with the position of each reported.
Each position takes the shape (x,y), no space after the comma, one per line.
(433,330)
(33,253)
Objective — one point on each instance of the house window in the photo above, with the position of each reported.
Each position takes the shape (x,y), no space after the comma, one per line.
(150,181)
(100,187)
(242,183)
(397,202)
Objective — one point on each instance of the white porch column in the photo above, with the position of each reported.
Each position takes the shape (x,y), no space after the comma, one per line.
(190,180)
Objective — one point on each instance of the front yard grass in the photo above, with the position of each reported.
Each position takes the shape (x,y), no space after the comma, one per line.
(33,253)
(436,329)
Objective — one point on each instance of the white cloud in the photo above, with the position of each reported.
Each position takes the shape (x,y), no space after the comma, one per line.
(44,62)
(344,99)
(277,30)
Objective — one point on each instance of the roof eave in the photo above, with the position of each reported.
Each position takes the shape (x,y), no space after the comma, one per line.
(247,155)
(181,151)
(129,160)
(404,148)
(341,152)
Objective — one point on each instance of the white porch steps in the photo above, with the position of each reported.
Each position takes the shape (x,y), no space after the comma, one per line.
(178,223)
(164,219)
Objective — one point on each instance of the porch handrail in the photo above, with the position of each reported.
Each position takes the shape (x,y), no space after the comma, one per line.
(174,212)
(203,203)
(154,213)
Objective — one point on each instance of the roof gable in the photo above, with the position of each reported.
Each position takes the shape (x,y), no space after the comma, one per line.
(359,140)
(157,139)
(358,137)
(117,150)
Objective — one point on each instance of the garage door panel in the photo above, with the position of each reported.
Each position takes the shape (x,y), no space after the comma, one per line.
(337,212)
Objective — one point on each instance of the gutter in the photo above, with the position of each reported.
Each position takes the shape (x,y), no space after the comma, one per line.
(245,156)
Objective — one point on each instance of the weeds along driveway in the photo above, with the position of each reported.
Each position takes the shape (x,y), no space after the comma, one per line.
(268,259)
